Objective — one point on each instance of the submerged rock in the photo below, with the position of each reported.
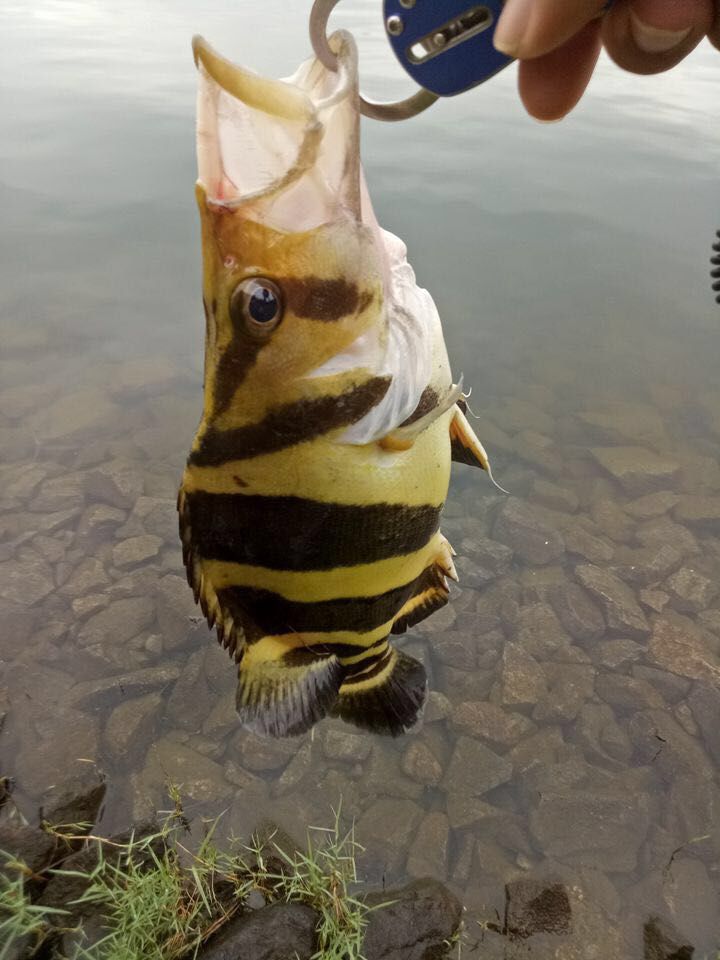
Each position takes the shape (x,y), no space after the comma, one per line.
(662,941)
(622,611)
(690,590)
(76,800)
(532,907)
(474,769)
(428,854)
(639,470)
(523,528)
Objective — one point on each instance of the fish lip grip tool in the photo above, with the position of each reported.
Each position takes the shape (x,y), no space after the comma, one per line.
(446,46)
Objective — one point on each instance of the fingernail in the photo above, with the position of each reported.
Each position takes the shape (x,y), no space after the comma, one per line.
(511,26)
(654,39)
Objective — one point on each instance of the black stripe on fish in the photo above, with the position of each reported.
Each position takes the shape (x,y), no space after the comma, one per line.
(232,368)
(315,298)
(367,669)
(428,401)
(293,533)
(289,424)
(264,612)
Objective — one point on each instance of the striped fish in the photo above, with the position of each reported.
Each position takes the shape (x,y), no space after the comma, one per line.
(310,504)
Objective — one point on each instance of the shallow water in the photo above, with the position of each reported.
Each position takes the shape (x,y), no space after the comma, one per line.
(573,731)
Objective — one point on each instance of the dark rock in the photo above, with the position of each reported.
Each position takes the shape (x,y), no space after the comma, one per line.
(639,470)
(420,763)
(704,701)
(130,726)
(661,941)
(569,687)
(523,528)
(386,829)
(588,828)
(76,800)
(523,679)
(488,721)
(281,931)
(678,646)
(670,687)
(576,611)
(488,554)
(627,694)
(29,845)
(417,924)
(622,611)
(648,564)
(690,590)
(474,769)
(428,855)
(579,540)
(703,512)
(660,740)
(90,692)
(532,907)
(652,505)
(655,533)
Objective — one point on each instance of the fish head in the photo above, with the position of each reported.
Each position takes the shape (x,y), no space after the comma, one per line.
(294,263)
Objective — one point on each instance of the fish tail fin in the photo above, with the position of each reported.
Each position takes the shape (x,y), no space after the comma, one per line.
(286,696)
(387,697)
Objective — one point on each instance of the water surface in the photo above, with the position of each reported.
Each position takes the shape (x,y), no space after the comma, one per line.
(570,736)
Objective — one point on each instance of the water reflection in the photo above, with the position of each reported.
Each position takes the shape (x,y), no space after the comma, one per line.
(572,729)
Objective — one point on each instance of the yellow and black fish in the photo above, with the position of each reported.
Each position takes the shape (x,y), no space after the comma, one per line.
(310,505)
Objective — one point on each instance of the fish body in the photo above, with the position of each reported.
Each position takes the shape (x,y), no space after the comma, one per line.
(310,504)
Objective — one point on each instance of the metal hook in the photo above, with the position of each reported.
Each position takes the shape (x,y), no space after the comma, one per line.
(400,109)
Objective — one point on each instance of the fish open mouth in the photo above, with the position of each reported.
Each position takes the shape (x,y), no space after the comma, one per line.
(269,142)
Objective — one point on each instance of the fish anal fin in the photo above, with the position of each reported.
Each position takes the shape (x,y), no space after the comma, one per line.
(431,594)
(285,697)
(389,700)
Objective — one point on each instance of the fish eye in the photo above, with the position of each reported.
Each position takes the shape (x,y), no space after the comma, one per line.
(256,306)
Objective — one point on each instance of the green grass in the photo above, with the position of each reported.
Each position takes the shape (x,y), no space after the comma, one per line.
(20,921)
(161,901)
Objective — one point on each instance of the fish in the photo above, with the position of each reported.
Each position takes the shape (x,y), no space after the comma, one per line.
(311,499)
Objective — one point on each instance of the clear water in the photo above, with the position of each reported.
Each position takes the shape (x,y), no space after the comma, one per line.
(570,265)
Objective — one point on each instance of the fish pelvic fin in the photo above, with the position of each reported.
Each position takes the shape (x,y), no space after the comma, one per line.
(387,697)
(287,696)
(465,446)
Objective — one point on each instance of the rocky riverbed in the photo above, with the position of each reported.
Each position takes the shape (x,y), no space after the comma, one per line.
(572,732)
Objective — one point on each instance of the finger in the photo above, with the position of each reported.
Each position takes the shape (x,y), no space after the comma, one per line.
(714,35)
(551,85)
(532,28)
(649,36)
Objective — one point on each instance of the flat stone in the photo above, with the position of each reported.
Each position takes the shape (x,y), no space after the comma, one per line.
(523,679)
(154,515)
(386,829)
(346,746)
(627,694)
(662,941)
(648,564)
(262,754)
(640,471)
(295,772)
(660,740)
(655,600)
(675,646)
(135,551)
(26,581)
(523,529)
(119,622)
(621,419)
(690,590)
(670,687)
(66,492)
(613,653)
(49,747)
(29,845)
(420,763)
(704,702)
(691,896)
(130,727)
(428,856)
(652,505)
(657,533)
(117,482)
(98,522)
(587,828)
(474,769)
(82,411)
(88,577)
(488,554)
(583,543)
(488,721)
(176,611)
(622,612)
(463,810)
(201,779)
(21,481)
(555,497)
(456,648)
(699,511)
(569,687)
(576,611)
(76,799)
(612,520)
(602,739)
(417,924)
(91,692)
(538,631)
(437,707)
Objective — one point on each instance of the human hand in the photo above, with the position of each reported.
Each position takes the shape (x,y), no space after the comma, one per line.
(558,42)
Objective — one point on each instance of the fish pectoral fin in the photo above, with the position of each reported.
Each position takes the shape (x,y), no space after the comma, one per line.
(285,696)
(465,446)
(403,437)
(385,695)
